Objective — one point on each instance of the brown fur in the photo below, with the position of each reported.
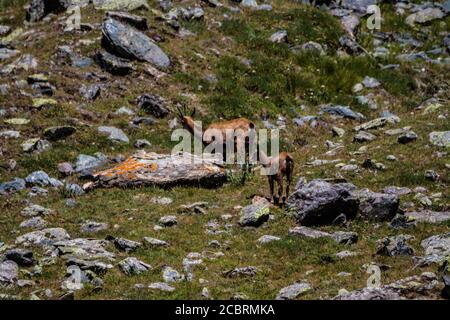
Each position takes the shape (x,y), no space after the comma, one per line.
(285,169)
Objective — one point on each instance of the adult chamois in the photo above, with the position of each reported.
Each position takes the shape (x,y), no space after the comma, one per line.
(239,128)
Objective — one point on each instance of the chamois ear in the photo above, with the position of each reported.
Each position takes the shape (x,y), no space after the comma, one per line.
(193,112)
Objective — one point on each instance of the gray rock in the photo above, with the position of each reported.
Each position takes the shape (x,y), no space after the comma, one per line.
(152,242)
(161,286)
(424,16)
(377,206)
(343,237)
(86,162)
(114,134)
(395,246)
(154,105)
(407,137)
(249,271)
(196,208)
(342,111)
(172,275)
(43,238)
(345,254)
(12,186)
(131,266)
(9,134)
(80,251)
(401,221)
(268,238)
(142,143)
(35,210)
(58,133)
(116,38)
(431,175)
(370,82)
(168,221)
(308,232)
(293,291)
(377,123)
(429,216)
(125,244)
(437,249)
(34,223)
(65,168)
(112,64)
(136,21)
(73,190)
(38,9)
(90,92)
(23,257)
(92,227)
(4,30)
(319,202)
(440,139)
(6,53)
(363,136)
(36,145)
(9,271)
(254,215)
(279,37)
(398,191)
(42,179)
(123,5)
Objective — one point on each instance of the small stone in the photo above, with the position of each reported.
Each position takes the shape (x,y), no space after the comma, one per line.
(172,275)
(168,221)
(431,175)
(35,210)
(142,143)
(161,286)
(394,246)
(34,223)
(114,134)
(23,257)
(268,238)
(407,137)
(125,244)
(152,242)
(92,227)
(279,37)
(65,168)
(293,291)
(133,266)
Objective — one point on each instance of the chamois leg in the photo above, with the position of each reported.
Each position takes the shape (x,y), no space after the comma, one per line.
(280,186)
(271,186)
(288,184)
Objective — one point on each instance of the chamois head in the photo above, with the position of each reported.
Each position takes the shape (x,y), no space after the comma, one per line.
(186,121)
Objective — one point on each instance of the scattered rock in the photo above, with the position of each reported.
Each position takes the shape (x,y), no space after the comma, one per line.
(131,266)
(116,38)
(293,291)
(254,215)
(153,105)
(395,246)
(114,134)
(249,271)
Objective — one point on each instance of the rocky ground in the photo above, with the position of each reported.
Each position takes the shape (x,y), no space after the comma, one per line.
(363,112)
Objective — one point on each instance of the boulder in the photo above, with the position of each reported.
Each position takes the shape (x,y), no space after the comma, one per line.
(342,111)
(162,170)
(23,257)
(376,206)
(41,178)
(254,215)
(12,186)
(43,238)
(320,202)
(116,39)
(38,9)
(429,216)
(437,250)
(58,133)
(112,64)
(136,21)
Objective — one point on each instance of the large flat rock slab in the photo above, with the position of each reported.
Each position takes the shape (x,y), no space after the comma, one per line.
(163,170)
